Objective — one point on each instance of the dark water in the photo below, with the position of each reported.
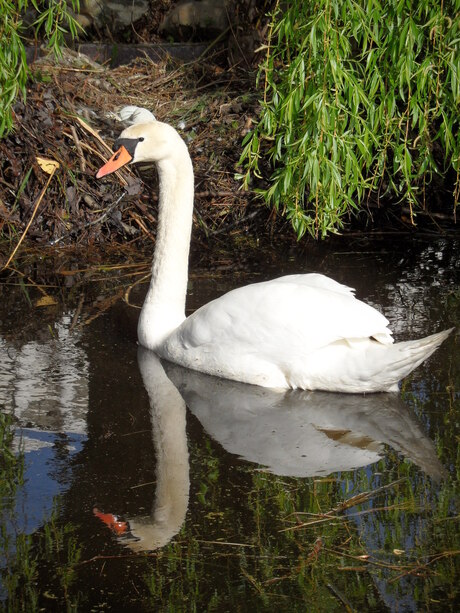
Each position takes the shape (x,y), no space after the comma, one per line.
(229,497)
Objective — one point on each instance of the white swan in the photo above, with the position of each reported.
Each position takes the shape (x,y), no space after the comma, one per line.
(299,331)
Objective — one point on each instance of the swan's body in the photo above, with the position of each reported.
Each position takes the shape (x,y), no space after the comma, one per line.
(300,331)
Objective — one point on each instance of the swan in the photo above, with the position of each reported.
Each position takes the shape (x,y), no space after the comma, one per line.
(302,331)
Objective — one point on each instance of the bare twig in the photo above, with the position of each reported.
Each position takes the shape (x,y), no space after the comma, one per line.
(37,204)
(335,590)
(90,223)
(127,293)
(79,149)
(77,312)
(424,566)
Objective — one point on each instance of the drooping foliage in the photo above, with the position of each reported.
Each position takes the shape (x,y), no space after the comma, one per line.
(360,99)
(54,18)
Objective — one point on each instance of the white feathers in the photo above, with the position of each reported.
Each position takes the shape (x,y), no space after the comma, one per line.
(130,115)
(299,331)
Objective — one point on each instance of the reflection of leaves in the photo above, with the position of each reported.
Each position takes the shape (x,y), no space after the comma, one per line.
(202,493)
(453,304)
(213,515)
(213,475)
(11,463)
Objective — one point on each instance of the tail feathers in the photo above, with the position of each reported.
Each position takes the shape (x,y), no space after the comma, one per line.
(406,356)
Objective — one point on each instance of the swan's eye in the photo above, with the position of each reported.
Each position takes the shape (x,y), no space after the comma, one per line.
(140,139)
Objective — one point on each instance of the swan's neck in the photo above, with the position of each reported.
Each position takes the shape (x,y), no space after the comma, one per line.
(168,419)
(164,306)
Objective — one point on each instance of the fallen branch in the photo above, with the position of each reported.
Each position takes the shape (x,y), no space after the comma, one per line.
(335,514)
(364,497)
(79,149)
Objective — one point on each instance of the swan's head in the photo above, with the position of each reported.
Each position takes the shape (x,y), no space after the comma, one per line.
(144,142)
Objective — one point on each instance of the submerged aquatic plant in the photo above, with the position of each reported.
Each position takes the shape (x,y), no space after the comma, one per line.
(21,553)
(359,99)
(11,479)
(11,463)
(41,566)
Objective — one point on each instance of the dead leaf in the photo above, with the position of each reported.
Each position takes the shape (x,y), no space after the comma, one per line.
(47,165)
(45,301)
(134,187)
(398,552)
(73,198)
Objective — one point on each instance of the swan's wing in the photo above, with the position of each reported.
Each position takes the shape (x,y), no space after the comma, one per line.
(318,281)
(291,315)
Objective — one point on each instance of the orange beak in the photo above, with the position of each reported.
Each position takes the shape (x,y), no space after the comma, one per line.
(118,159)
(118,527)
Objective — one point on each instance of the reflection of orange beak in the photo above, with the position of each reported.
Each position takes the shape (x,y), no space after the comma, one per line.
(118,159)
(118,527)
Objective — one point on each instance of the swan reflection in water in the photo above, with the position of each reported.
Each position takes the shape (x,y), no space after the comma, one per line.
(289,432)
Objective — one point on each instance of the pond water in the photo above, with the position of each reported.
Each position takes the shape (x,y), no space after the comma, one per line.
(147,487)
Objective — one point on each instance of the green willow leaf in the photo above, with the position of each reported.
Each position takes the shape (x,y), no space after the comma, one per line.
(355,95)
(55,18)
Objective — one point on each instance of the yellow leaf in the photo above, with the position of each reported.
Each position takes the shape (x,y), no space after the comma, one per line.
(45,301)
(398,552)
(49,166)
